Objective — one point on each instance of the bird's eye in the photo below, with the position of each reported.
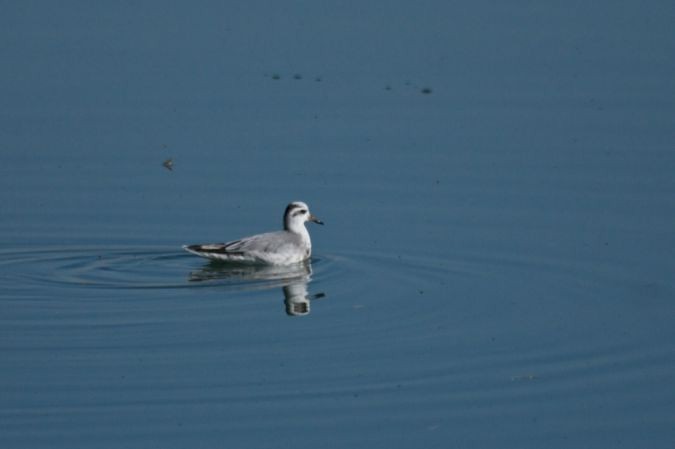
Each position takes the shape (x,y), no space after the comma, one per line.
(303,211)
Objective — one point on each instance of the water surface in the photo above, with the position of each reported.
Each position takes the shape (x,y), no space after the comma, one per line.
(496,268)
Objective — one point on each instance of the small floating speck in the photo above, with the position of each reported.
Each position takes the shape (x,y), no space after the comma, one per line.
(523,378)
(426,90)
(168,164)
(276,76)
(387,87)
(297,76)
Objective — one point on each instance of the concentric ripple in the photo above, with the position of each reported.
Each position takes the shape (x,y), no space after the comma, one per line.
(145,267)
(137,268)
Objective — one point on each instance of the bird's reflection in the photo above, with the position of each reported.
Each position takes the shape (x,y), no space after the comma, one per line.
(293,280)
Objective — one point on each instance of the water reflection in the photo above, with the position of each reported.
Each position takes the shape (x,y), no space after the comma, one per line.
(293,280)
(297,298)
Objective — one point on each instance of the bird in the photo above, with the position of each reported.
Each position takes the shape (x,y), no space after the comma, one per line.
(289,246)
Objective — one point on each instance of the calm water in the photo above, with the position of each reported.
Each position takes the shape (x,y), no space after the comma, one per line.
(496,268)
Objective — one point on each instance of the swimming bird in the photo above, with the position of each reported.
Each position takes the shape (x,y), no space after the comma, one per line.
(292,245)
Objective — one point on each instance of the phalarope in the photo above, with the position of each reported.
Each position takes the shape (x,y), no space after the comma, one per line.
(292,245)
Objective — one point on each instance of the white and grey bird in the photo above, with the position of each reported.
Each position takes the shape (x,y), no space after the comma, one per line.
(292,245)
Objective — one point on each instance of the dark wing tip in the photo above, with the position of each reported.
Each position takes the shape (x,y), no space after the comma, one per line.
(212,248)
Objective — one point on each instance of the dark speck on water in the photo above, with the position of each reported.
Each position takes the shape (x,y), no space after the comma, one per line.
(168,164)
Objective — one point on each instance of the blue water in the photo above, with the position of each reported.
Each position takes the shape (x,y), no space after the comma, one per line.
(496,268)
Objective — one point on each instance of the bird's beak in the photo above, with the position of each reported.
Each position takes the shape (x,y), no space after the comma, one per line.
(314,219)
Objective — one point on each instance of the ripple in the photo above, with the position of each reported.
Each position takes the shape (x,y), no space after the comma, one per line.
(504,321)
(137,268)
(146,267)
(482,335)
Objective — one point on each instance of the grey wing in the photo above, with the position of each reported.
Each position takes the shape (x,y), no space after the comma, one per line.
(262,243)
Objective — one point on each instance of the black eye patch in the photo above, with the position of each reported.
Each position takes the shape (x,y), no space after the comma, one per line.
(301,211)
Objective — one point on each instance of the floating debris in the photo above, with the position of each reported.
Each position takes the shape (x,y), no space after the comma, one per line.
(276,76)
(525,377)
(426,90)
(168,164)
(297,76)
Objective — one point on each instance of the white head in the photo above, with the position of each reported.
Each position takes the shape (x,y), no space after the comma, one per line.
(297,213)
